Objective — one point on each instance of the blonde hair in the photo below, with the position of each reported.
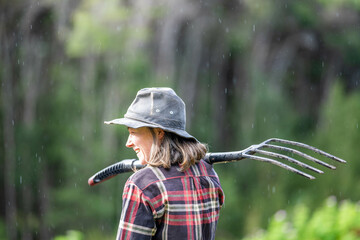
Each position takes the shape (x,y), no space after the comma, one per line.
(174,149)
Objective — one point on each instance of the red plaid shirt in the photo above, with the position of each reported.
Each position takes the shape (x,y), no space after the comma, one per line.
(169,204)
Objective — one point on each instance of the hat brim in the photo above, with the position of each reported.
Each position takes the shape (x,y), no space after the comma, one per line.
(133,123)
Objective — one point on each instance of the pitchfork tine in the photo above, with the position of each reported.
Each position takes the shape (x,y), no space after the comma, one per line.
(269,160)
(300,154)
(290,159)
(308,147)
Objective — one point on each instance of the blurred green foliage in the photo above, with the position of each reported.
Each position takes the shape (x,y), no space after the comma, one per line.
(71,235)
(94,31)
(331,221)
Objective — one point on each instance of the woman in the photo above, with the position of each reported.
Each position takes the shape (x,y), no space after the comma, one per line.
(178,195)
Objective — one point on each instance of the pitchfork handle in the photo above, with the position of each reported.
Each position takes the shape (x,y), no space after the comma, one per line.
(223,157)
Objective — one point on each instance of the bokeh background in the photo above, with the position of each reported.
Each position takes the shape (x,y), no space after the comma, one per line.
(248,70)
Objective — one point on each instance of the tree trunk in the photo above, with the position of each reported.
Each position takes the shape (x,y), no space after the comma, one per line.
(9,138)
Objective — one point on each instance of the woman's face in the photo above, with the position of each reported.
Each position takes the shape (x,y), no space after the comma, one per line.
(141,140)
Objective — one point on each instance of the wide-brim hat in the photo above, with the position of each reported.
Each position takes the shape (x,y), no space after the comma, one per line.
(156,108)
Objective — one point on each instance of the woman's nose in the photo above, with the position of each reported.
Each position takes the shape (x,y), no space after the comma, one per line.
(129,143)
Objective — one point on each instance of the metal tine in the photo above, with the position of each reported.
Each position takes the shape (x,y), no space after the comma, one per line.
(314,149)
(280,164)
(290,159)
(300,154)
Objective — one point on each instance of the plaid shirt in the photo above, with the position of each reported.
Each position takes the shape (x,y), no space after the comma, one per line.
(169,204)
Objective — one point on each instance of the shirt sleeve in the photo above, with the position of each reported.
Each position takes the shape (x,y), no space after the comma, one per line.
(137,218)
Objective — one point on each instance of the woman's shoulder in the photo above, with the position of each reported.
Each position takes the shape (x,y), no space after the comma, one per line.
(206,168)
(144,177)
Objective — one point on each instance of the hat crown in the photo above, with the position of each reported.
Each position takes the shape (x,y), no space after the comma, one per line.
(160,106)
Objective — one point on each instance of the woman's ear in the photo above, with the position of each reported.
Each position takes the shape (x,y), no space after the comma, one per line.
(159,133)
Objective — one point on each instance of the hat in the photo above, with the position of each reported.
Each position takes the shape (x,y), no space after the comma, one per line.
(156,108)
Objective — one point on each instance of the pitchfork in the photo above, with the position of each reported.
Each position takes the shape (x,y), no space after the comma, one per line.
(254,152)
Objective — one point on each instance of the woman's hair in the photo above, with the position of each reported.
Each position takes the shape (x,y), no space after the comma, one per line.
(174,149)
